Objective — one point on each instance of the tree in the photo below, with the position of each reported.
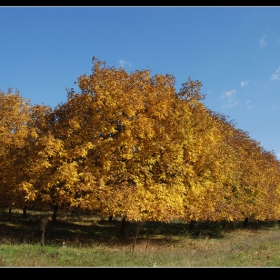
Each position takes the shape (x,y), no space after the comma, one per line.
(53,166)
(14,130)
(138,151)
(127,144)
(113,148)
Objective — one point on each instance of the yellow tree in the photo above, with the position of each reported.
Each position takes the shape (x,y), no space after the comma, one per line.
(203,160)
(129,145)
(134,122)
(30,160)
(206,168)
(229,172)
(213,171)
(269,178)
(14,130)
(250,190)
(117,146)
(53,162)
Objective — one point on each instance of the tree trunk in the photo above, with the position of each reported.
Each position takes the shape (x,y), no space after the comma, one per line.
(224,224)
(55,210)
(245,224)
(24,212)
(125,228)
(44,224)
(110,219)
(139,225)
(191,226)
(10,214)
(75,213)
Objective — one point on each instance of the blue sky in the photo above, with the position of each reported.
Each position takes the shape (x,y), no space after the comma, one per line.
(233,51)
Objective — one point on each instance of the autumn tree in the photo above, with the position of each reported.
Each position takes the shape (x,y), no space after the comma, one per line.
(128,144)
(117,146)
(53,162)
(14,130)
(269,184)
(133,120)
(34,161)
(205,166)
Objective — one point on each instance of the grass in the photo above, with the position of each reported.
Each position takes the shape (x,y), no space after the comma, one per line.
(90,241)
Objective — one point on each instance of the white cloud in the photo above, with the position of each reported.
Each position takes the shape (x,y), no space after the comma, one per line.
(230,92)
(275,75)
(278,155)
(263,41)
(123,63)
(244,83)
(248,104)
(231,100)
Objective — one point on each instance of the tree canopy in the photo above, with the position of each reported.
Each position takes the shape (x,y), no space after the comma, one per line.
(128,144)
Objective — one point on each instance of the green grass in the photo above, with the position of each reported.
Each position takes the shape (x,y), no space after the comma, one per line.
(90,241)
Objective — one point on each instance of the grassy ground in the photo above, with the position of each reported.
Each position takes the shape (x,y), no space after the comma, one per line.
(89,241)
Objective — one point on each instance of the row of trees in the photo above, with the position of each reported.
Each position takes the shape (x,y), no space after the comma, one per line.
(130,145)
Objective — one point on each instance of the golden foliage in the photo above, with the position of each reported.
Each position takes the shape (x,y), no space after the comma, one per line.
(129,145)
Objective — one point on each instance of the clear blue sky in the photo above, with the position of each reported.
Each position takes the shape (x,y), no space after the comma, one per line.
(233,51)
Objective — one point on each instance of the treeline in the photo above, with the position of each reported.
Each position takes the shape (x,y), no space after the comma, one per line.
(129,145)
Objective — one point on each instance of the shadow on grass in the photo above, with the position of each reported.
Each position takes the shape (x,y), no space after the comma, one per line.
(93,230)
